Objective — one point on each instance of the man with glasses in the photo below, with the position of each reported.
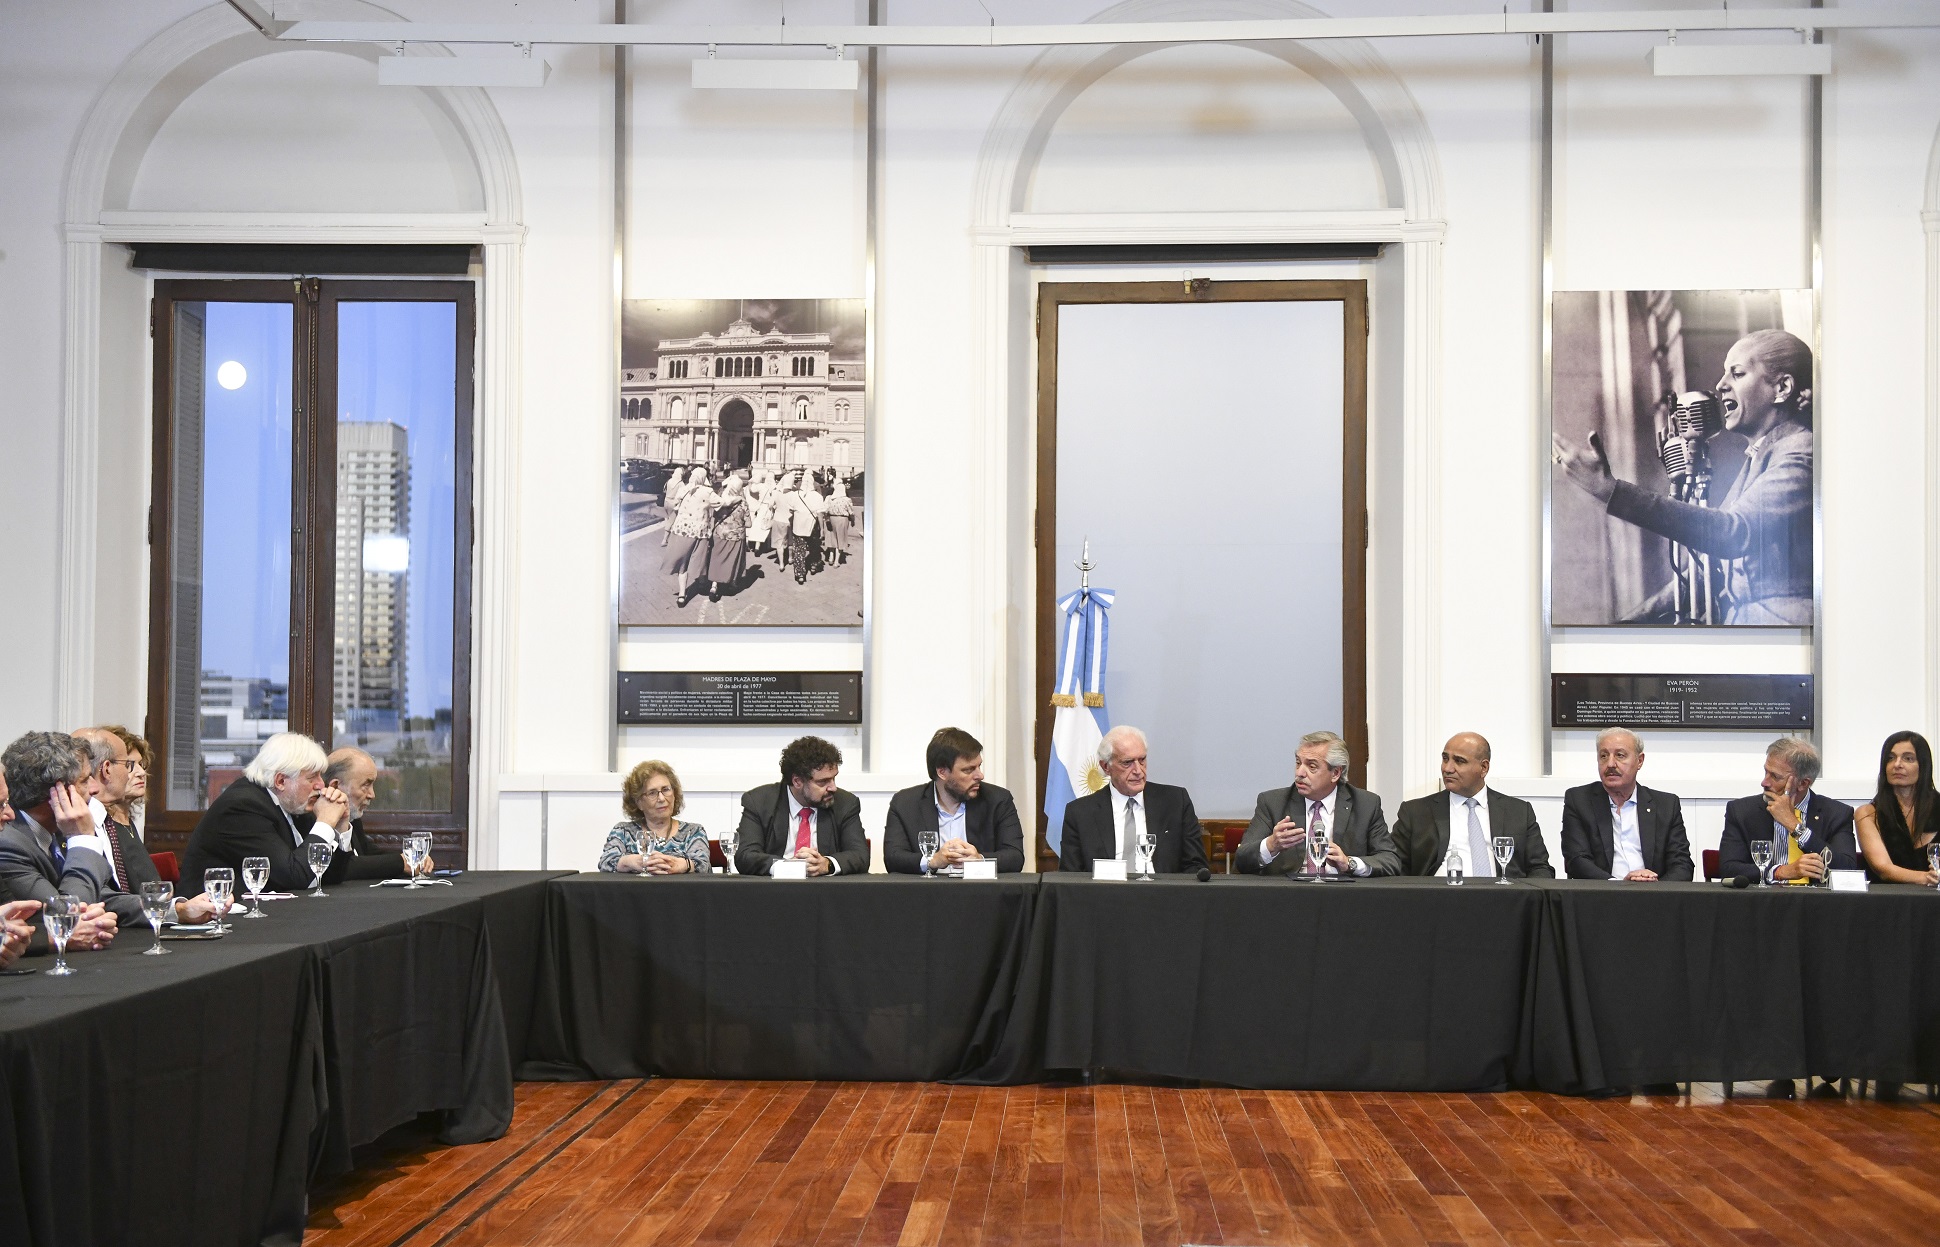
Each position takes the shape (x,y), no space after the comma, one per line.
(1810,834)
(111,770)
(354,773)
(1106,824)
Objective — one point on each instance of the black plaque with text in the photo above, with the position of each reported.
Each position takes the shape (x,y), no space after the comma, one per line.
(740,697)
(1762,702)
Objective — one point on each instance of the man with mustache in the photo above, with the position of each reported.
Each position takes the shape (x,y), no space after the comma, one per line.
(803,818)
(1619,829)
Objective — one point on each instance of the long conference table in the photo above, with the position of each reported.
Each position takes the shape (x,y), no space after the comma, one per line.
(198,1097)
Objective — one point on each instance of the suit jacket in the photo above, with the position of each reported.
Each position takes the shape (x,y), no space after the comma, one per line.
(134,857)
(1359,829)
(38,944)
(989,822)
(31,876)
(1589,833)
(1421,835)
(1747,819)
(1090,832)
(364,861)
(765,833)
(245,821)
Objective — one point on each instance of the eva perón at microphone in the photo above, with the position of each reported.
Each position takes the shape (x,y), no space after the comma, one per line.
(1754,543)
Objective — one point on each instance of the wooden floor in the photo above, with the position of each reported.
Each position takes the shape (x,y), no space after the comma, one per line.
(671,1162)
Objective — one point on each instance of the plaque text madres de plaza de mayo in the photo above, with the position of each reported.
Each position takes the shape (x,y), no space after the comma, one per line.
(728,697)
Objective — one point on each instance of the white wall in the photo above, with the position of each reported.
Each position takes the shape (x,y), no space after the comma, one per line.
(1659,183)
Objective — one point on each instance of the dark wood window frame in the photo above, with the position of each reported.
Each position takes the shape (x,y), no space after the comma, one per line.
(313,530)
(1352,295)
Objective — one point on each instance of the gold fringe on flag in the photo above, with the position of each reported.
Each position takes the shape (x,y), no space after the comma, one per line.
(1064,699)
(1094,699)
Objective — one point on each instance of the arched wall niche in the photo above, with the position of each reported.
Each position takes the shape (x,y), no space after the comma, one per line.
(104,335)
(1403,206)
(1213,127)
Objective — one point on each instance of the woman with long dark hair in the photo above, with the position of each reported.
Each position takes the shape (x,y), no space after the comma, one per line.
(1899,826)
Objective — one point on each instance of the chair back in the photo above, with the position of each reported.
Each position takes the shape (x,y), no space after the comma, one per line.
(166,868)
(1710,865)
(714,854)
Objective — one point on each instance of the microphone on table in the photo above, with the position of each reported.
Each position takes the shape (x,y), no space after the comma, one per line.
(1735,881)
(1204,874)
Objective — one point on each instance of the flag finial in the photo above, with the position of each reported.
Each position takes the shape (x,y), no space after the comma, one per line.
(1085,566)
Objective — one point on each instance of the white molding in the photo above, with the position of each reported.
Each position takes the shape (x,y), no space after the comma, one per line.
(1398,138)
(108,149)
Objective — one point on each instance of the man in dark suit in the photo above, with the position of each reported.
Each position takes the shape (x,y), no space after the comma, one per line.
(1619,829)
(1809,833)
(17,925)
(804,818)
(972,820)
(109,775)
(1105,824)
(49,846)
(1358,842)
(353,772)
(256,817)
(1477,814)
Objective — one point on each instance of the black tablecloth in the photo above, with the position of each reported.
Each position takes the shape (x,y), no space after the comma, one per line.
(868,977)
(1676,982)
(192,1098)
(1393,984)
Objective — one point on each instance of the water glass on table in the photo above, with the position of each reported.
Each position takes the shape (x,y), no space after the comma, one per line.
(1505,852)
(1933,857)
(60,912)
(1317,840)
(255,875)
(1761,857)
(417,847)
(220,883)
(157,900)
(730,840)
(1147,845)
(926,843)
(320,854)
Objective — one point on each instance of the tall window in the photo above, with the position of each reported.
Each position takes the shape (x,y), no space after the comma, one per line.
(801,409)
(312,539)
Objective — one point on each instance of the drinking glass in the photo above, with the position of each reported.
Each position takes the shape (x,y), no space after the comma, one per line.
(414,850)
(255,875)
(729,841)
(1147,845)
(220,883)
(1505,851)
(1761,857)
(1317,852)
(1933,856)
(157,899)
(926,845)
(320,855)
(1454,866)
(60,912)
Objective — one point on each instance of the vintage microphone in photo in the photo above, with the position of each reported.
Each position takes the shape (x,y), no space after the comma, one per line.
(1683,447)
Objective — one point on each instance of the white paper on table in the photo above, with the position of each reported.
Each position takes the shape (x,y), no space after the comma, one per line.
(985,869)
(786,869)
(1113,870)
(1849,881)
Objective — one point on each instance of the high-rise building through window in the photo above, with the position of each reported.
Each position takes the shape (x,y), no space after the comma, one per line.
(373,558)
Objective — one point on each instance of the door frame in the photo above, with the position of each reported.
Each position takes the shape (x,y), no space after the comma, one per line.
(1352,295)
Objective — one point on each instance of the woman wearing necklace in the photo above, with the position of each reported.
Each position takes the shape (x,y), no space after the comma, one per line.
(1898,827)
(652,841)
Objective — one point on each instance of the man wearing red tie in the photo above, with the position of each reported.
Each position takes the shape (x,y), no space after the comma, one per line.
(803,818)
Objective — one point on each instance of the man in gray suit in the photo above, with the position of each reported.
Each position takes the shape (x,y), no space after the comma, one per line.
(1478,814)
(1358,841)
(51,846)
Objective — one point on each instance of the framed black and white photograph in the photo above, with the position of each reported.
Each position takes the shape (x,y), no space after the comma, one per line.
(741,462)
(1683,458)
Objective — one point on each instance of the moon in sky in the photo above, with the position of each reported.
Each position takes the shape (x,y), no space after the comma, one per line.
(231,375)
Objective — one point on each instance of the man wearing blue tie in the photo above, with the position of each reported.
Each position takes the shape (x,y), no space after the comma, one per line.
(1465,817)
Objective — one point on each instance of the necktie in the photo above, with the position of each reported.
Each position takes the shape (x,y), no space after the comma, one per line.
(113,834)
(1481,859)
(1128,843)
(801,835)
(1316,822)
(57,849)
(1792,854)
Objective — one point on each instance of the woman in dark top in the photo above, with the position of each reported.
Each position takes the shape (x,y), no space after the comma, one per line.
(1896,829)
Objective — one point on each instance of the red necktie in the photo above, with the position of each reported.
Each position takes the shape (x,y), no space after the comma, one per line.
(113,834)
(801,834)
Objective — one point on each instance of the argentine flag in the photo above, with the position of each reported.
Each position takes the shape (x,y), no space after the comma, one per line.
(1078,719)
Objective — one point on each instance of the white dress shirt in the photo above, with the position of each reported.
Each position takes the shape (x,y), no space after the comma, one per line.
(1626,841)
(795,809)
(1128,845)
(1458,832)
(1781,834)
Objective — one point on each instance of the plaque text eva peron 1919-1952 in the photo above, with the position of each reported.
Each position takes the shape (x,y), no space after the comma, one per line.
(1764,702)
(740,697)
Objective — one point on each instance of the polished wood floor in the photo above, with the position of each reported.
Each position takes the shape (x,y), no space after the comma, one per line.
(672,1162)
